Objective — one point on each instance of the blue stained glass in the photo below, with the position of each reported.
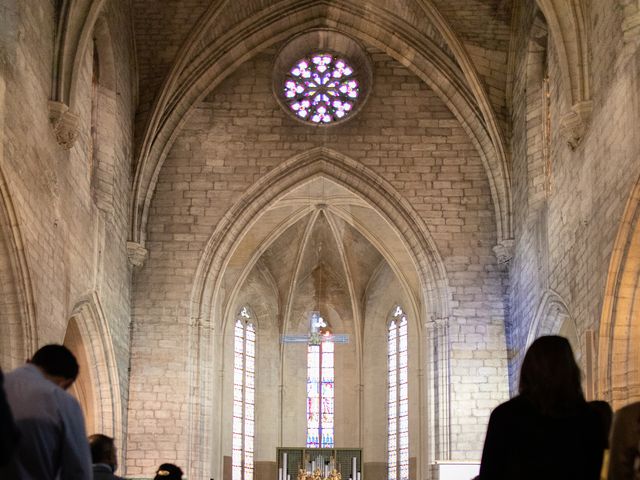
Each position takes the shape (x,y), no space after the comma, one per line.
(320,395)
(327,390)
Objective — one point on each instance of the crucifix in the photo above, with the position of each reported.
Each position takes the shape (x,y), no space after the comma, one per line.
(319,332)
(319,329)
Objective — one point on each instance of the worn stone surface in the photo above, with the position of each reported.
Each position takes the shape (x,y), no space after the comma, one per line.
(68,248)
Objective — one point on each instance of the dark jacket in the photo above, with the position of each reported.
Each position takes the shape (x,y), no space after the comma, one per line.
(625,441)
(103,472)
(8,432)
(523,444)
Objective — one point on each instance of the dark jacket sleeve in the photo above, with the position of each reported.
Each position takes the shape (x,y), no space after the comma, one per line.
(495,449)
(624,443)
(8,431)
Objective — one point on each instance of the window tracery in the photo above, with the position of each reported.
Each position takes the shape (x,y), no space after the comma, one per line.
(243,396)
(398,397)
(321,88)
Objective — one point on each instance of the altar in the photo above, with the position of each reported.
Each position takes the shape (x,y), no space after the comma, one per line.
(319,463)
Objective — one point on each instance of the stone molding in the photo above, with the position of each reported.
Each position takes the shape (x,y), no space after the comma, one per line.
(136,253)
(631,22)
(574,124)
(65,124)
(504,252)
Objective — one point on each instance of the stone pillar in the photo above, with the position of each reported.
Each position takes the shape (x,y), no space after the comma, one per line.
(439,388)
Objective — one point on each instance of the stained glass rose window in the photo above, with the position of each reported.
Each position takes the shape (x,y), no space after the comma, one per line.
(321,88)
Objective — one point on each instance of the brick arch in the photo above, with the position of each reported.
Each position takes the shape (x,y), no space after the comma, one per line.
(618,353)
(235,225)
(89,337)
(185,87)
(18,329)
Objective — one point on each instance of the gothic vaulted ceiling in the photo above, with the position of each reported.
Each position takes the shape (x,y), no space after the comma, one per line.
(185,48)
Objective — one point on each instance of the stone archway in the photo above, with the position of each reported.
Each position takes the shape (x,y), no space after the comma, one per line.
(18,333)
(226,246)
(98,386)
(618,353)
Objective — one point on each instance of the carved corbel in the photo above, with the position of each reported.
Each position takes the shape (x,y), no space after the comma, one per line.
(504,252)
(573,124)
(65,124)
(137,254)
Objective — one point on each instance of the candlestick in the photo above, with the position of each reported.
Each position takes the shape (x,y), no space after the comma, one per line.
(353,468)
(284,466)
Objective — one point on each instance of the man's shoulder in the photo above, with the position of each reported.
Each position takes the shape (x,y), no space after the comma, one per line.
(631,409)
(628,413)
(102,472)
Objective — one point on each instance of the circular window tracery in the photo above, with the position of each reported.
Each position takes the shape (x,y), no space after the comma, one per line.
(321,88)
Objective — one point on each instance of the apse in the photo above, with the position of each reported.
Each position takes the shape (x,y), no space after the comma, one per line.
(319,251)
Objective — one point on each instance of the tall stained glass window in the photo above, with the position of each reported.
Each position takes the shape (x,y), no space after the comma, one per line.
(320,395)
(398,398)
(243,396)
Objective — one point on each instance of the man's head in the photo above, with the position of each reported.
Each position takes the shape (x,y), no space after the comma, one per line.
(58,364)
(103,450)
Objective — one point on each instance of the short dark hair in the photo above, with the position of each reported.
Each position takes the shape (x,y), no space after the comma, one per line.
(550,377)
(57,360)
(168,471)
(102,448)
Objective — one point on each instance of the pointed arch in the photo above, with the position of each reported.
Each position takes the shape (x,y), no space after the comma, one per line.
(618,353)
(221,57)
(236,223)
(568,22)
(552,318)
(89,335)
(18,329)
(103,117)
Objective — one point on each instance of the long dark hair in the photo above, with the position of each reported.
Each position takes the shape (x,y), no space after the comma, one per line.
(550,377)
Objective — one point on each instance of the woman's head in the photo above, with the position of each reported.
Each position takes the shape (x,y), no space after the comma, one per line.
(168,471)
(550,376)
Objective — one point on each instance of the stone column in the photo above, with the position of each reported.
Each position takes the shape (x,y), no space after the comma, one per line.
(439,373)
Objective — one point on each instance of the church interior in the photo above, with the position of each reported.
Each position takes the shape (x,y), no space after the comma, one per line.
(264,225)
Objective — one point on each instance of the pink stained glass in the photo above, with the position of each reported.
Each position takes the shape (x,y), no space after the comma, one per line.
(398,420)
(243,394)
(321,88)
(320,395)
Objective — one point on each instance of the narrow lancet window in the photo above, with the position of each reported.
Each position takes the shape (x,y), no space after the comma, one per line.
(320,393)
(398,398)
(243,396)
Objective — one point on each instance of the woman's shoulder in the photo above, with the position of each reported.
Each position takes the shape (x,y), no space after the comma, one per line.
(516,406)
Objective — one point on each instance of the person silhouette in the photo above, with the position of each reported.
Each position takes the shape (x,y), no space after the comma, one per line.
(548,431)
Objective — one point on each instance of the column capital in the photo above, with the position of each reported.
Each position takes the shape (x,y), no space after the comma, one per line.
(137,254)
(65,124)
(574,124)
(504,252)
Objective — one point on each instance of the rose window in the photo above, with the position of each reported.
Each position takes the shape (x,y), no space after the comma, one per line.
(321,88)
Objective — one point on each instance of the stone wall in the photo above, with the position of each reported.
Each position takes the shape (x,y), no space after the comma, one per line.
(405,134)
(73,252)
(579,216)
